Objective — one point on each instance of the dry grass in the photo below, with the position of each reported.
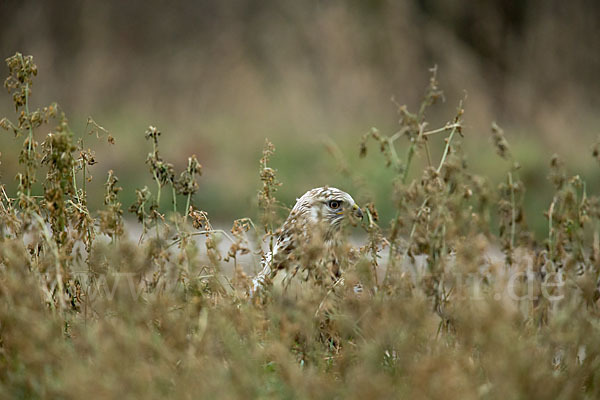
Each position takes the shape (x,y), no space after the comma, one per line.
(89,311)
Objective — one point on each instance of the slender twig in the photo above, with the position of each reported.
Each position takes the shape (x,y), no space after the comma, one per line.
(78,207)
(176,216)
(513,217)
(187,205)
(199,233)
(373,245)
(551,230)
(442,129)
(447,148)
(409,155)
(30,127)
(421,138)
(338,281)
(73,174)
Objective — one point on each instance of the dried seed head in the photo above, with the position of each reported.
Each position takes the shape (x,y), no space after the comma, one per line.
(500,143)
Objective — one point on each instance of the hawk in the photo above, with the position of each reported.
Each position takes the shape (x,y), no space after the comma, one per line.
(309,235)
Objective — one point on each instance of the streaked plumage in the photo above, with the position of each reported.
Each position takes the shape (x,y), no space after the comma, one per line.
(315,219)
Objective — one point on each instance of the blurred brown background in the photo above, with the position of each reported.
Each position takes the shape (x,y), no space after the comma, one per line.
(217,77)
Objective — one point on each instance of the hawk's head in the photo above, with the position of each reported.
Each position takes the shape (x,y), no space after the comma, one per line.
(326,205)
(315,219)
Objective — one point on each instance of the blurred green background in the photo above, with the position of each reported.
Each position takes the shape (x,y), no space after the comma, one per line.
(218,77)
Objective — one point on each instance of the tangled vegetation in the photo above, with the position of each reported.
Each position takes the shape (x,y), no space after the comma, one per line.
(458,300)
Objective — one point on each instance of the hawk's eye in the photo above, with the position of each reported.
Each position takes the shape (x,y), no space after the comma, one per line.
(334,204)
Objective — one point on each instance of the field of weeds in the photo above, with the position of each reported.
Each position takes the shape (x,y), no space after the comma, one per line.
(458,300)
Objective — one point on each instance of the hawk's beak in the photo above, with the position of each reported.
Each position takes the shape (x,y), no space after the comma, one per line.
(357,211)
